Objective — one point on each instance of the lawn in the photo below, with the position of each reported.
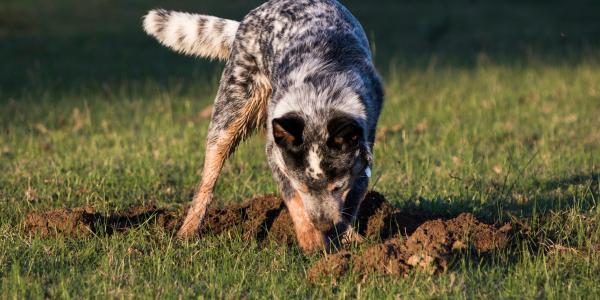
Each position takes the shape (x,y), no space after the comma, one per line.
(491,108)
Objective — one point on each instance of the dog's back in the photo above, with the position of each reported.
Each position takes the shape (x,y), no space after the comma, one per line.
(319,42)
(288,41)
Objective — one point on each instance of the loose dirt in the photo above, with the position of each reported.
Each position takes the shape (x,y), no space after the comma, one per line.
(429,248)
(256,218)
(398,241)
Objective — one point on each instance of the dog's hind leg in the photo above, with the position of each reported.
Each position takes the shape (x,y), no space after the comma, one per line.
(240,107)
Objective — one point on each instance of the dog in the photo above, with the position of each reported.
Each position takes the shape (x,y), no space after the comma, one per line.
(303,70)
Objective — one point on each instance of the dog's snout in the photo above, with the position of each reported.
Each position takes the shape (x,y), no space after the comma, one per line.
(323,224)
(316,185)
(320,181)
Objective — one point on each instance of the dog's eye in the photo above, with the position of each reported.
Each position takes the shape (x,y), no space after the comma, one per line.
(337,188)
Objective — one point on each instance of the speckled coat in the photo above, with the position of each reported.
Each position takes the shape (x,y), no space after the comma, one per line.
(302,69)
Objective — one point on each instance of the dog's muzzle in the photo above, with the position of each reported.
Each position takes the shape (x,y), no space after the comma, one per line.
(323,224)
(324,214)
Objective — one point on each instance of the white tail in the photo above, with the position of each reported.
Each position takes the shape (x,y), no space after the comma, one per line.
(192,34)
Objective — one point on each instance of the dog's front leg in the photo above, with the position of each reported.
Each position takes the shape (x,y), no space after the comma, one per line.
(239,109)
(354,199)
(309,237)
(216,153)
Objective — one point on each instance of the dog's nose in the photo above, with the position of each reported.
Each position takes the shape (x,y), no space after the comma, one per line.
(323,224)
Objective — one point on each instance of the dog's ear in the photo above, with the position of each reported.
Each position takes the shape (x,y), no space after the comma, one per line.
(344,133)
(287,130)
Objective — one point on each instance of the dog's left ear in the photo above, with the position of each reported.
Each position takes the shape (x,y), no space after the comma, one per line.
(344,133)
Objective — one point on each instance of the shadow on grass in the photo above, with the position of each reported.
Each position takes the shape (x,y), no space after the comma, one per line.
(577,193)
(68,45)
(561,183)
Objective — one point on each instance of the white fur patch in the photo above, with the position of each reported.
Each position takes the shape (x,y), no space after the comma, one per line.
(306,99)
(312,66)
(314,164)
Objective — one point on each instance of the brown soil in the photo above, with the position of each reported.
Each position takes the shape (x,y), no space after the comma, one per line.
(407,241)
(81,222)
(429,248)
(257,218)
(379,219)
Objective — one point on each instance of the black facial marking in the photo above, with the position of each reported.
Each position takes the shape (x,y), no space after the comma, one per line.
(287,131)
(344,133)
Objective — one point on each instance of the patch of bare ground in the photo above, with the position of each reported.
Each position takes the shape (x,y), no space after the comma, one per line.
(403,241)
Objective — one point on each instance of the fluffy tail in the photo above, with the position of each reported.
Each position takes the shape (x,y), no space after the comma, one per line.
(192,34)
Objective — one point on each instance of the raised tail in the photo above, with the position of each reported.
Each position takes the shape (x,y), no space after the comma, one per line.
(192,34)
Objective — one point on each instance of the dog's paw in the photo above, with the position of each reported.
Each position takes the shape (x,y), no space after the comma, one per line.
(351,236)
(186,234)
(188,230)
(343,240)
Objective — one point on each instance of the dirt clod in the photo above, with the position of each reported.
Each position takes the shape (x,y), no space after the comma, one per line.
(429,248)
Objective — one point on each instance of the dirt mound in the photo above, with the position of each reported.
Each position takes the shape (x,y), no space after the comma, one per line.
(407,240)
(81,222)
(256,218)
(379,219)
(430,248)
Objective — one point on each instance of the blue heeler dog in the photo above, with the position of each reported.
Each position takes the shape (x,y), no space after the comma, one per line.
(302,69)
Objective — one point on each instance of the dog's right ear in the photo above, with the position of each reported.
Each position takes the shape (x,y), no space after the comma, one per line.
(287,130)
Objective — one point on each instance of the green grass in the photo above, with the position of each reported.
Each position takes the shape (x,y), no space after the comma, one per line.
(488,110)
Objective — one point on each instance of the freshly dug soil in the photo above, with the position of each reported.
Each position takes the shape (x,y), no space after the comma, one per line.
(81,222)
(429,248)
(379,219)
(406,240)
(257,218)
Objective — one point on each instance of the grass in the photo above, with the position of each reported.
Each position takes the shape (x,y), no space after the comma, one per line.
(488,110)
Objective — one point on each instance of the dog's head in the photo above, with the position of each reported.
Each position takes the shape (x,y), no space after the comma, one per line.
(322,157)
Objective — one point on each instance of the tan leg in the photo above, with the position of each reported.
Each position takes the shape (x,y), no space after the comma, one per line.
(213,163)
(223,141)
(309,237)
